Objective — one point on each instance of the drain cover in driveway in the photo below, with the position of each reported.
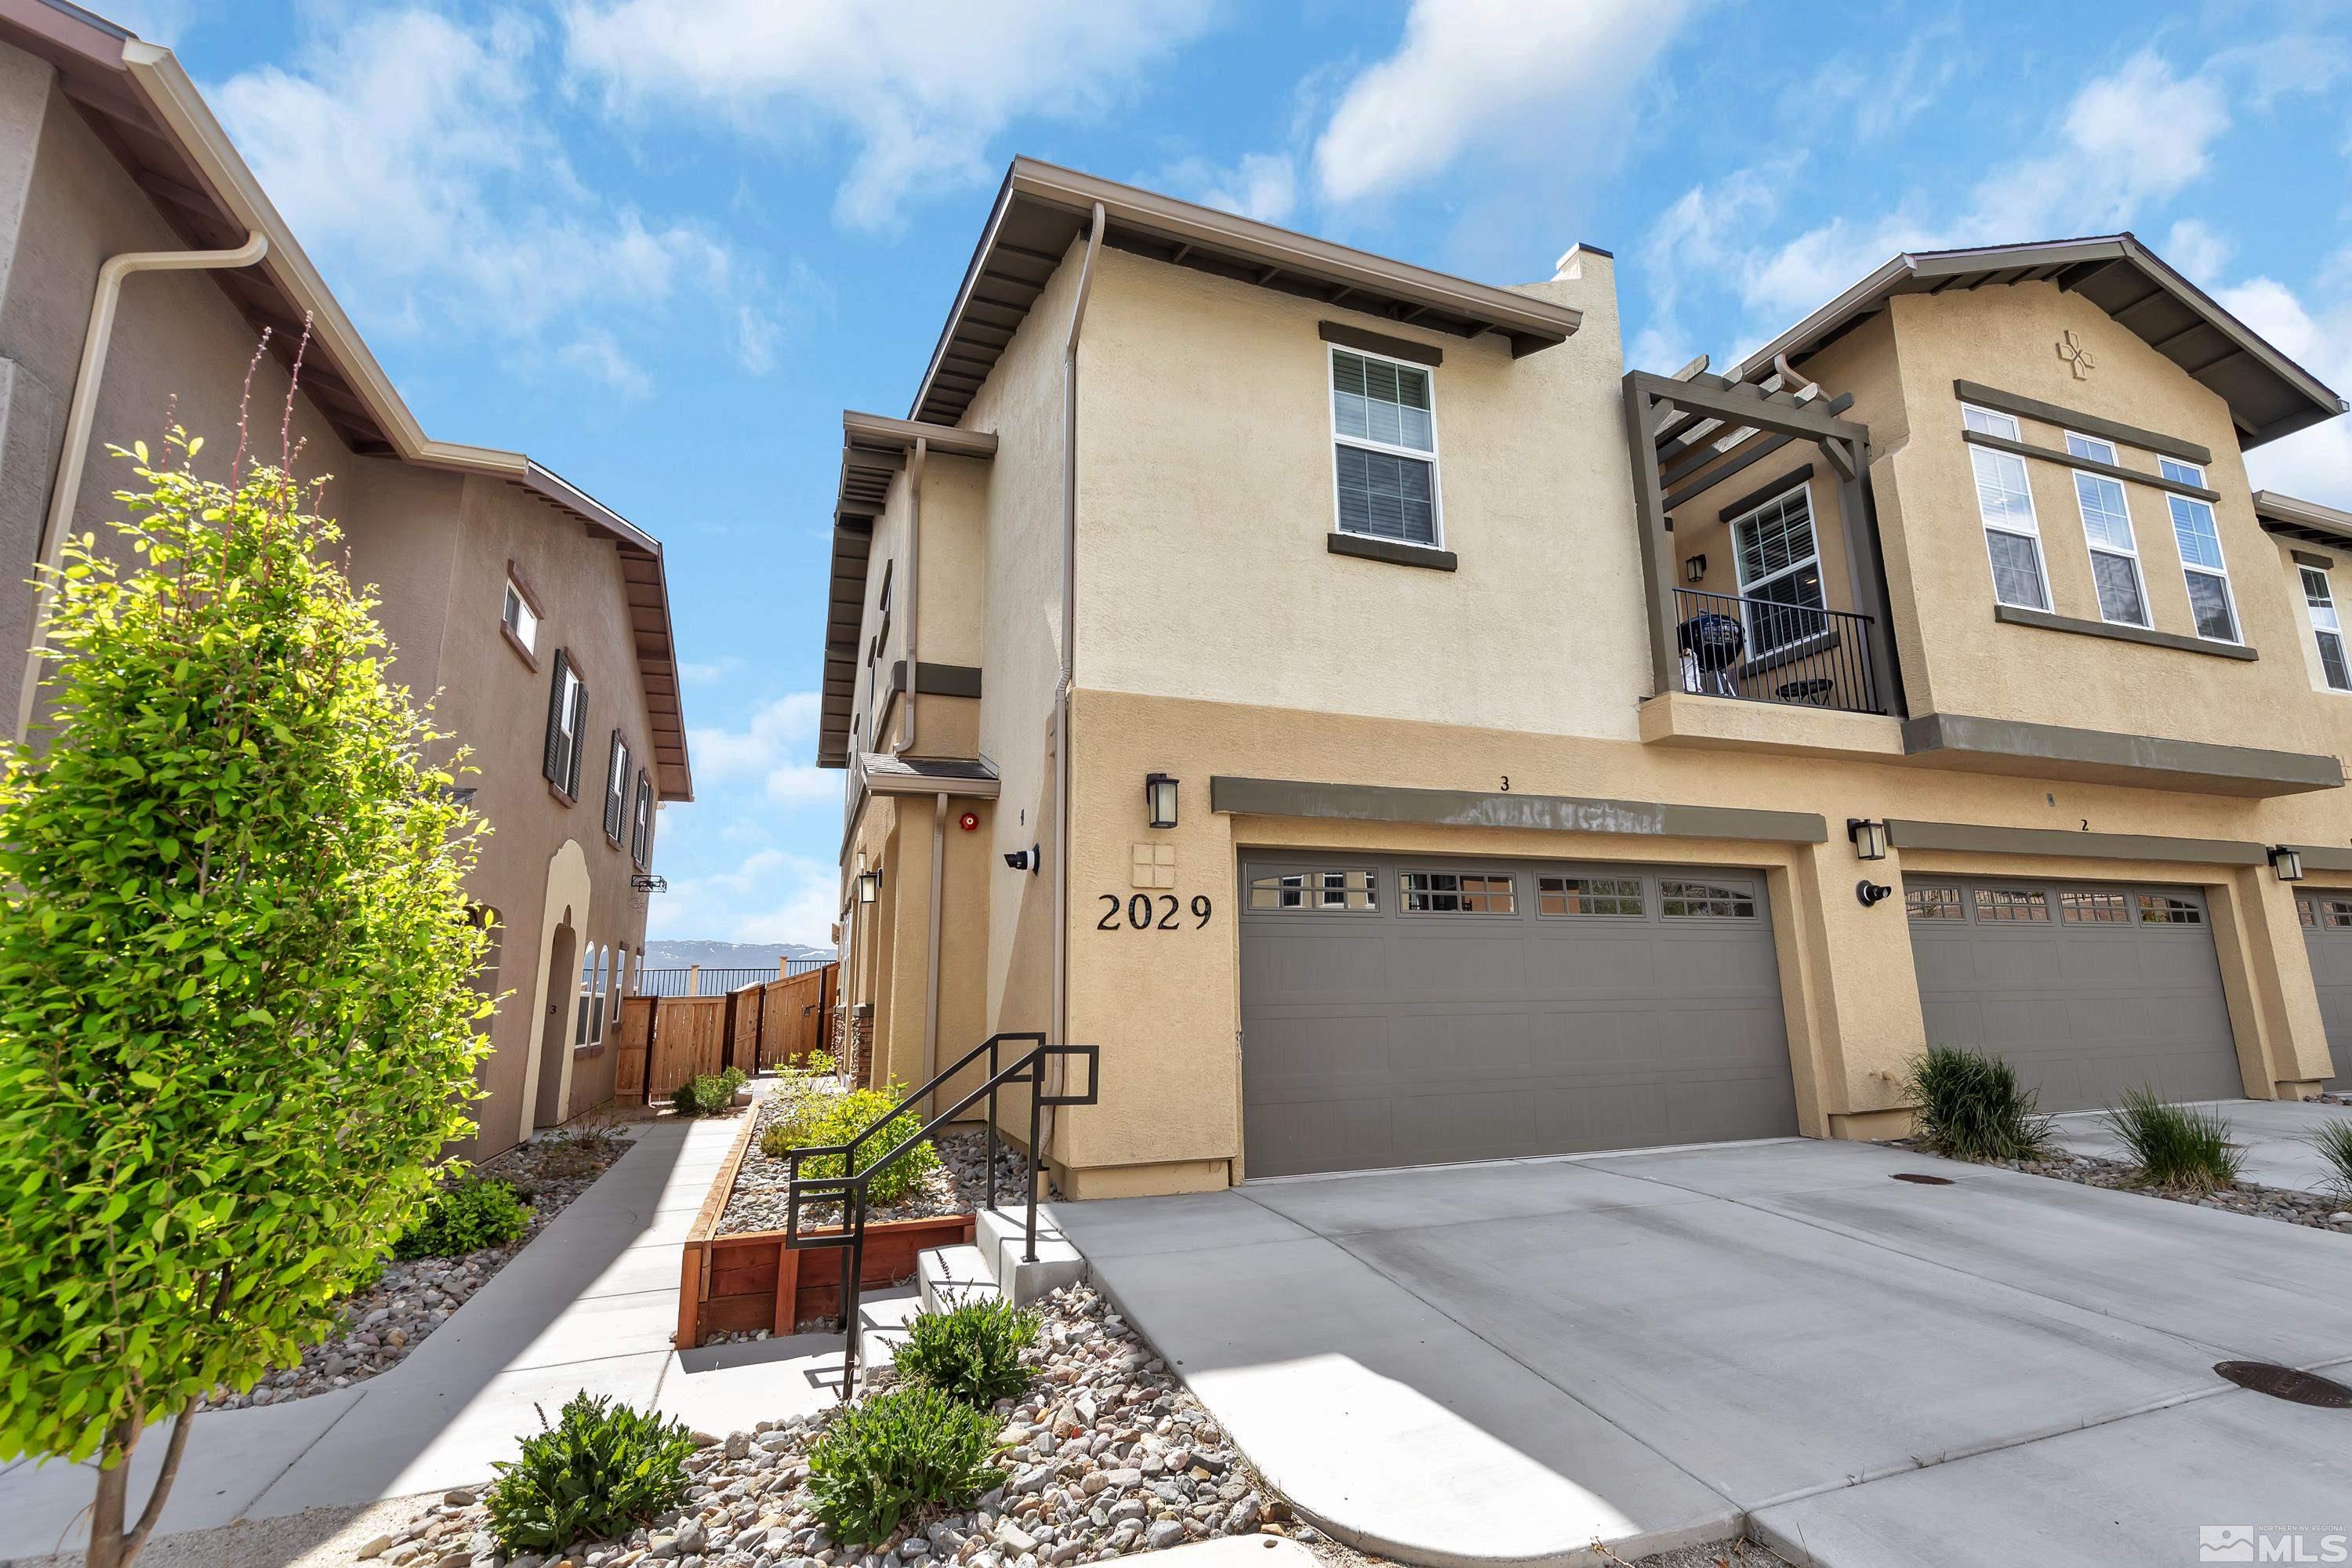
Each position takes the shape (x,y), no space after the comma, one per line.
(2285,1383)
(1922,1181)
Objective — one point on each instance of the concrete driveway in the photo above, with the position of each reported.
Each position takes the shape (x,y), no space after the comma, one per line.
(1508,1362)
(2273,1134)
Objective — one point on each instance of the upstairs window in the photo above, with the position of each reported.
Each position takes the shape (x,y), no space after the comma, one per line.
(1384,433)
(616,789)
(2005,501)
(2107,530)
(2319,597)
(521,616)
(1779,564)
(567,723)
(2201,566)
(641,834)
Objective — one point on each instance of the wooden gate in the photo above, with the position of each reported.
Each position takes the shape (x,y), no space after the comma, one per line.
(689,1034)
(797,1016)
(637,1033)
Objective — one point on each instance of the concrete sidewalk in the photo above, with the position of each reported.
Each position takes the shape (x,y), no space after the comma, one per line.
(1505,1363)
(2274,1134)
(590,1304)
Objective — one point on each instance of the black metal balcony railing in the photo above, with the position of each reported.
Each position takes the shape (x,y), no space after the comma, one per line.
(1765,651)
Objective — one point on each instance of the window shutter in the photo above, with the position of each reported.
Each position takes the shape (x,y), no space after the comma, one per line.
(617,787)
(579,730)
(554,765)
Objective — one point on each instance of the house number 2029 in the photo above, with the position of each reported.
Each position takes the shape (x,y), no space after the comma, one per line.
(1146,912)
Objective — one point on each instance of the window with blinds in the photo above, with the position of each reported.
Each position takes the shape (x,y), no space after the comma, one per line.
(567,727)
(1384,438)
(2107,530)
(2005,502)
(641,834)
(2319,599)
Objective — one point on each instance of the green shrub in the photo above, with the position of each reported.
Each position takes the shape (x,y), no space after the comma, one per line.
(971,1354)
(481,1211)
(600,1470)
(2176,1146)
(820,1064)
(823,1119)
(2334,1141)
(708,1095)
(882,1459)
(1970,1107)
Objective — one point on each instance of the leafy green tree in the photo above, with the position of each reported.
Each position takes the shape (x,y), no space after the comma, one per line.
(237,1002)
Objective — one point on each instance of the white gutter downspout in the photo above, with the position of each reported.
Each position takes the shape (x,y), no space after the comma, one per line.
(81,412)
(931,958)
(1062,688)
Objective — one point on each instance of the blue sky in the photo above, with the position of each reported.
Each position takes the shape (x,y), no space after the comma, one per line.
(661,243)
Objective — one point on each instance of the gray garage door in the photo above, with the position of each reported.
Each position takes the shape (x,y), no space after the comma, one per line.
(1403,1011)
(2328,935)
(2090,990)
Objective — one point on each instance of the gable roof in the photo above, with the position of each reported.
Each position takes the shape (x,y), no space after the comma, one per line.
(1041,207)
(2268,394)
(2309,521)
(140,104)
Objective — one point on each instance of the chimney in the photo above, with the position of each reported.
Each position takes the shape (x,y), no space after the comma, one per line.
(1585,261)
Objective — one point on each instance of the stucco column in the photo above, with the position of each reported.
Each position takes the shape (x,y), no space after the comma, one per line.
(1862,994)
(2266,975)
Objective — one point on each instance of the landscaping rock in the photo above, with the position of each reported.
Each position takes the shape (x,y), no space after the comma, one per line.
(2320,1213)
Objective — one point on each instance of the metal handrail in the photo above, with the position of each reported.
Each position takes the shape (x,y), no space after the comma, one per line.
(1766,650)
(849,1189)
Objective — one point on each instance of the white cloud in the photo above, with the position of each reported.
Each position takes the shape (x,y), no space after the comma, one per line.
(920,87)
(157,21)
(598,356)
(414,155)
(1262,185)
(2314,464)
(2128,139)
(776,730)
(1522,80)
(2198,251)
(768,896)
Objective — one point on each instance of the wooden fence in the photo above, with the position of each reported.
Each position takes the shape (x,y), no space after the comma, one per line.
(666,1041)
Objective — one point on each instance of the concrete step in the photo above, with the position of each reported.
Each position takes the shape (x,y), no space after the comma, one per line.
(882,1328)
(948,1276)
(1002,1235)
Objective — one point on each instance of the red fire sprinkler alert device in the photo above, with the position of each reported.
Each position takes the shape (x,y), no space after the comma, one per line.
(969,821)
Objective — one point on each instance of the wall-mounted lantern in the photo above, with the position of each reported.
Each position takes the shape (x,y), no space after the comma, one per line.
(2288,863)
(1695,569)
(869,886)
(1868,838)
(1160,799)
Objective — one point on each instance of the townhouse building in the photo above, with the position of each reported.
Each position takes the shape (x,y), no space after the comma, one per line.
(1395,732)
(538,616)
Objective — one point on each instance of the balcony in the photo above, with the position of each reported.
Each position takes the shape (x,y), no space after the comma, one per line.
(1764,650)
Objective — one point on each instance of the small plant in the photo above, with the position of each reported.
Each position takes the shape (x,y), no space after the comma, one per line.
(2175,1146)
(835,1120)
(481,1211)
(820,1064)
(970,1353)
(1970,1106)
(708,1095)
(2334,1141)
(882,1459)
(601,1470)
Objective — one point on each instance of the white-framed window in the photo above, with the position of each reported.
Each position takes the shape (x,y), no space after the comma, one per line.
(1384,447)
(1779,564)
(590,1026)
(616,789)
(519,617)
(641,833)
(2319,597)
(567,725)
(2107,531)
(2005,501)
(2210,603)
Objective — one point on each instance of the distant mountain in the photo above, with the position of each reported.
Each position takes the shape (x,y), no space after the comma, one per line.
(726,954)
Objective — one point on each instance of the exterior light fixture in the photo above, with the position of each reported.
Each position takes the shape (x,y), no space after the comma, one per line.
(869,886)
(1159,798)
(2288,863)
(1868,838)
(1695,569)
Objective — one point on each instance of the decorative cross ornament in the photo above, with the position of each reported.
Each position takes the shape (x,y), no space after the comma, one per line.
(2077,357)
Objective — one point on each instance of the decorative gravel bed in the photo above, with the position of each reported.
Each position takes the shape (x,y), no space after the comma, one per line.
(382,1324)
(958,1184)
(1105,1456)
(2319,1212)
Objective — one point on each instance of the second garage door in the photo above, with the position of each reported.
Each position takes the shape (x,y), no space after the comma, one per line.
(2327,937)
(1414,1011)
(2090,990)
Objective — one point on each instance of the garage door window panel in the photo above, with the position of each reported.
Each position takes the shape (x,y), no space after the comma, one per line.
(1679,899)
(2160,910)
(1934,904)
(2012,906)
(1459,893)
(1589,896)
(2083,906)
(1328,892)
